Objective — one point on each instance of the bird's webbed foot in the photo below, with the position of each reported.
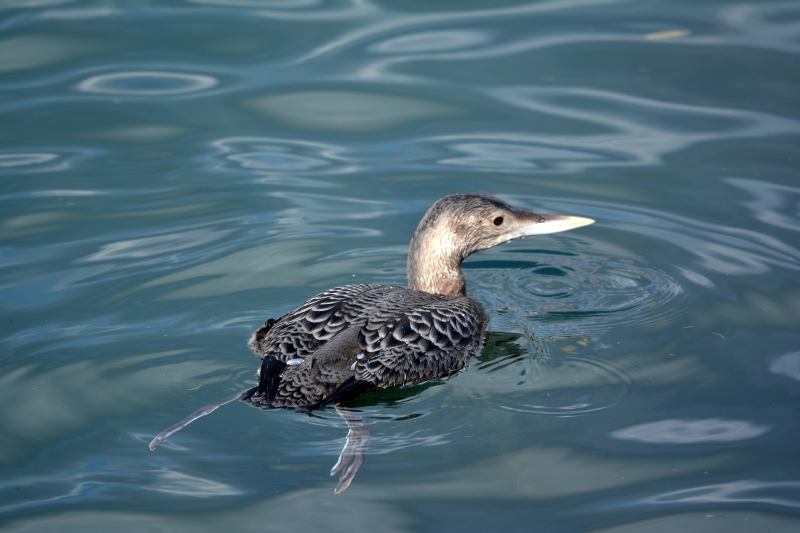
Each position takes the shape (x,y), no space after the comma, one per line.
(352,456)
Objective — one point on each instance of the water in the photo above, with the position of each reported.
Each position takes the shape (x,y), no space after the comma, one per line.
(174,173)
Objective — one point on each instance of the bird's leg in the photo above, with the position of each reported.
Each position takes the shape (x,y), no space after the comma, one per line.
(203,411)
(352,456)
(538,346)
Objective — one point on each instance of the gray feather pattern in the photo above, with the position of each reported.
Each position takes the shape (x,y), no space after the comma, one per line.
(406,337)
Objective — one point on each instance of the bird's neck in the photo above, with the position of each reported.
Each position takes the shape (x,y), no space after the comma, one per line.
(434,264)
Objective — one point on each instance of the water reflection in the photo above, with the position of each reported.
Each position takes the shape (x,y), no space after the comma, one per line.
(53,193)
(104,476)
(788,365)
(139,133)
(36,51)
(769,25)
(16,160)
(147,83)
(431,41)
(640,130)
(777,205)
(150,246)
(57,403)
(269,265)
(752,491)
(319,208)
(512,156)
(691,431)
(172,482)
(378,444)
(16,4)
(275,157)
(738,521)
(497,152)
(539,473)
(350,112)
(21,161)
(285,511)
(262,4)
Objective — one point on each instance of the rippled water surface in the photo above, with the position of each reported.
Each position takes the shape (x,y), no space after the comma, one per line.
(174,173)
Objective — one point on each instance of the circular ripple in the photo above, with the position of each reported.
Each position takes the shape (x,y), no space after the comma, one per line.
(558,294)
(146,83)
(569,298)
(567,386)
(567,383)
(261,156)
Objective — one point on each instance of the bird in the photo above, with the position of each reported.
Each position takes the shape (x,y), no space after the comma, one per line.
(351,340)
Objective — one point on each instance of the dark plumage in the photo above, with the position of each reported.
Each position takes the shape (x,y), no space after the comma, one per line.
(367,337)
(354,339)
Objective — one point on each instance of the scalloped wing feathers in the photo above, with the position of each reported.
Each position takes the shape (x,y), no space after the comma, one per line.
(377,335)
(429,341)
(302,331)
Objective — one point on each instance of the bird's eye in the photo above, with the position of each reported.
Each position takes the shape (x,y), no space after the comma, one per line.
(498,221)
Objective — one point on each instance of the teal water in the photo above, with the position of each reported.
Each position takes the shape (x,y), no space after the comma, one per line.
(174,173)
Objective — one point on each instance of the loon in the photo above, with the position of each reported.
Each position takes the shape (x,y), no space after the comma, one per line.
(356,339)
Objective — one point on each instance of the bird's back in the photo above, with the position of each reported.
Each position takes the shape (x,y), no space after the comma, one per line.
(356,338)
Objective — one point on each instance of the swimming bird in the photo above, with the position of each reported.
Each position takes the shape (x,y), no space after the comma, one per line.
(355,339)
